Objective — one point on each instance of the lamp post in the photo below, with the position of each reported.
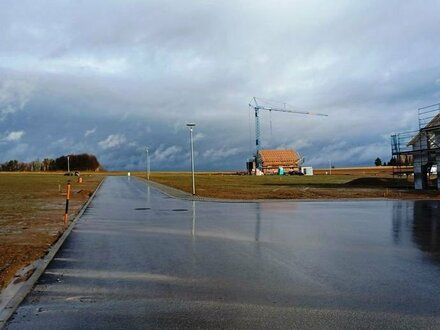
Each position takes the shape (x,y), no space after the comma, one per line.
(148,163)
(191,126)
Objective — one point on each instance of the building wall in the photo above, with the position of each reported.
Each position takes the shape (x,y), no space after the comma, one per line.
(420,170)
(422,166)
(438,168)
(274,169)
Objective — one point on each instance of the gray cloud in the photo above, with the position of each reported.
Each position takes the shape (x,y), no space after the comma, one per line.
(109,77)
(112,141)
(13,136)
(166,154)
(89,132)
(14,95)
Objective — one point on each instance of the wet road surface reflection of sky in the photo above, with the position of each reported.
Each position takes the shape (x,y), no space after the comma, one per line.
(141,259)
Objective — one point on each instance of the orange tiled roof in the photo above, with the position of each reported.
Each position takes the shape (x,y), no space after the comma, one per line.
(279,157)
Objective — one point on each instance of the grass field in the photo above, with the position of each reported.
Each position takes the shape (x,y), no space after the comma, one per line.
(31,215)
(226,186)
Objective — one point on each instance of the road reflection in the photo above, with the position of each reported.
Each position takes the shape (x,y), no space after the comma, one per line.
(193,230)
(420,221)
(258,222)
(426,227)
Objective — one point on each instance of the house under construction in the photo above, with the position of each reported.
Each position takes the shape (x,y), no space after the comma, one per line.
(271,160)
(422,147)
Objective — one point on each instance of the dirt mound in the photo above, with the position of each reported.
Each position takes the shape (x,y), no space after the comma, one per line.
(372,182)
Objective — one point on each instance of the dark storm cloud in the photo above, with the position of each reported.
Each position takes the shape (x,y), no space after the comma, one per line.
(109,77)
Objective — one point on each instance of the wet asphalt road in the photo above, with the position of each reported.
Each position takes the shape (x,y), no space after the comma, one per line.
(139,259)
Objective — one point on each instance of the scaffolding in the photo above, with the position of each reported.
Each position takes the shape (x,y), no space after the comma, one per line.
(402,153)
(429,129)
(420,148)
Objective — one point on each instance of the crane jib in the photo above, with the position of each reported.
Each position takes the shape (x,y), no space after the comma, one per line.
(256,106)
(292,111)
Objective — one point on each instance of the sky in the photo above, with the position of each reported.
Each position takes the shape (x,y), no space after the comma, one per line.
(112,77)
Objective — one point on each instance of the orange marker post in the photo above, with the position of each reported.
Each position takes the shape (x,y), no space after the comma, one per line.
(66,212)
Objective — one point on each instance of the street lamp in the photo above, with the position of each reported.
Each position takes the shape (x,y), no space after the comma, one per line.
(191,126)
(148,164)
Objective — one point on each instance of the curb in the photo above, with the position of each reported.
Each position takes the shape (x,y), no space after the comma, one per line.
(14,294)
(179,194)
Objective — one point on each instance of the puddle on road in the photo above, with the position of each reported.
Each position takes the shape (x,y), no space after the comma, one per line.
(82,299)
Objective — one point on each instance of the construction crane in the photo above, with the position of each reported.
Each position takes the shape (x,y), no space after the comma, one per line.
(257,105)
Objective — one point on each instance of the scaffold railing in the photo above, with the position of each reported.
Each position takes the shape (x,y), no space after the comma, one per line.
(427,115)
(426,139)
(419,149)
(400,142)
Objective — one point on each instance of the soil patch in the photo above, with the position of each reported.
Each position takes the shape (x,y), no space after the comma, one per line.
(378,182)
(31,215)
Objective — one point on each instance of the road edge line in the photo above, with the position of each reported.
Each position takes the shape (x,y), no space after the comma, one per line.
(39,266)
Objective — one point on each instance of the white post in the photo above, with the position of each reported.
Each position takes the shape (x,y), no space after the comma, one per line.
(68,164)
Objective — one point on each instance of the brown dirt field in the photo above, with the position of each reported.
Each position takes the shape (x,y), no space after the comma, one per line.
(32,209)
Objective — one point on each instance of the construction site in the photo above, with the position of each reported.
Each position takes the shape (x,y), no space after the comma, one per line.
(415,154)
(275,161)
(421,148)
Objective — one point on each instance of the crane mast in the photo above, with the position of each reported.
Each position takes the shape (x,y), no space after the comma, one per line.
(257,105)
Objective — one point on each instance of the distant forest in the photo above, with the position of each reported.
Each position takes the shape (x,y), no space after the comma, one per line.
(83,162)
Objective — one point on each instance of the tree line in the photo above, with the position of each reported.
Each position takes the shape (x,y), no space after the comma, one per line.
(403,160)
(82,162)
